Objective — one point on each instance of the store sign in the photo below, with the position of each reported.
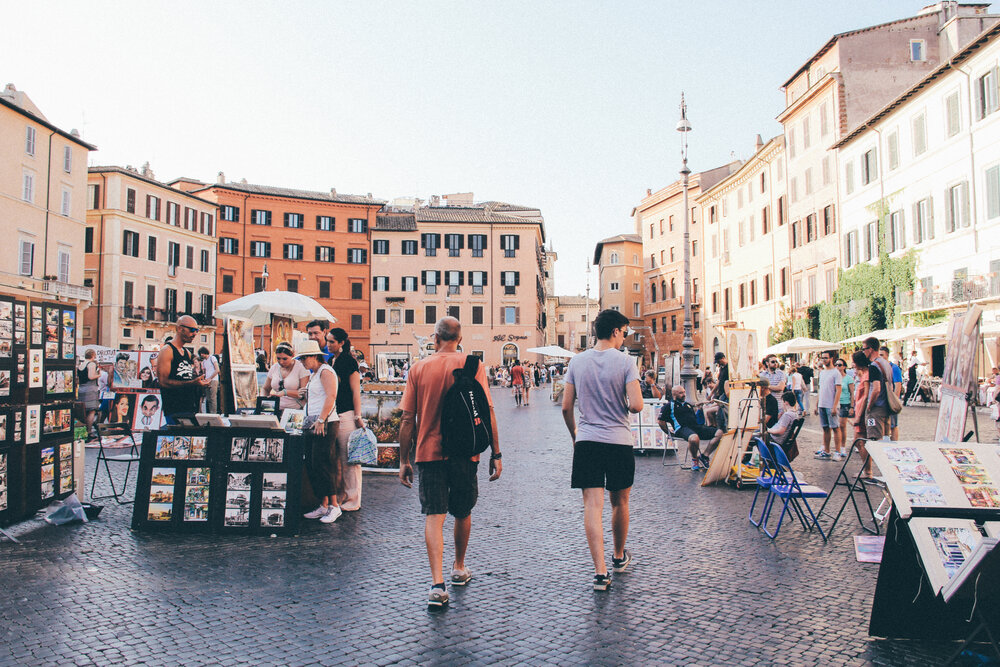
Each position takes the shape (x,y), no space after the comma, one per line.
(501,338)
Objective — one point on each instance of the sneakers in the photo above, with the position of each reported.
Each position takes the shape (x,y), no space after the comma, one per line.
(317,513)
(704,461)
(331,515)
(694,466)
(619,565)
(823,456)
(438,597)
(835,456)
(461,577)
(602,582)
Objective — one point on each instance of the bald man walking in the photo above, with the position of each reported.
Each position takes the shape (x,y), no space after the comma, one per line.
(179,382)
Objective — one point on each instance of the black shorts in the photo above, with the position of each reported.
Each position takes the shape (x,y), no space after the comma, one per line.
(704,433)
(449,486)
(602,465)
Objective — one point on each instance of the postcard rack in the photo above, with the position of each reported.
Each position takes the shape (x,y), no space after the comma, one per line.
(219,480)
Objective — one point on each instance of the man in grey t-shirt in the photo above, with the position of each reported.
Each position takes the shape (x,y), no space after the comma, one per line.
(606,382)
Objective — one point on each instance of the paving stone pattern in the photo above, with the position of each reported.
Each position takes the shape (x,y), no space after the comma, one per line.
(705,588)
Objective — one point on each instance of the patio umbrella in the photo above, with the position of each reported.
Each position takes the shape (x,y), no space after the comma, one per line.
(552,351)
(800,345)
(260,306)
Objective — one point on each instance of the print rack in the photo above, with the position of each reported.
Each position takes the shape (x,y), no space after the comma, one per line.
(219,480)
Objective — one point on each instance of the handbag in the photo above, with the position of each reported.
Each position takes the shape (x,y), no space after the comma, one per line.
(361,447)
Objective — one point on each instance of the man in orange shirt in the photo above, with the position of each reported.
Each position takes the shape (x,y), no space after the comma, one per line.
(445,485)
(517,381)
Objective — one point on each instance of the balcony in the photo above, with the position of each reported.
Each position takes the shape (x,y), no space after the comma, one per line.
(952,294)
(67,290)
(162,316)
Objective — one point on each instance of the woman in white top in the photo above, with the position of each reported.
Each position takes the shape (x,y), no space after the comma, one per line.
(325,473)
(798,385)
(286,379)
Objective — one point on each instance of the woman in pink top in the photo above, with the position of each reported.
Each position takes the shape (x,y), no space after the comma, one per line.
(286,379)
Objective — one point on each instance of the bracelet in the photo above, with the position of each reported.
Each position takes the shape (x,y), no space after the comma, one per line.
(496,457)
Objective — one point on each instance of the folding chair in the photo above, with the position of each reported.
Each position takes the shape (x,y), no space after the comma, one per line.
(119,430)
(764,481)
(678,443)
(787,487)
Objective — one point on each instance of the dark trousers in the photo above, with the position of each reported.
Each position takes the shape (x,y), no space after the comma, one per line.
(325,473)
(911,388)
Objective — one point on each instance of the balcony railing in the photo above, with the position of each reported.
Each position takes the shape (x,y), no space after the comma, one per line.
(152,315)
(68,290)
(954,293)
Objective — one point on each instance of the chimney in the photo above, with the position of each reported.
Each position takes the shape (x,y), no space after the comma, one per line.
(758,144)
(146,171)
(75,133)
(649,192)
(333,192)
(220,178)
(243,181)
(435,200)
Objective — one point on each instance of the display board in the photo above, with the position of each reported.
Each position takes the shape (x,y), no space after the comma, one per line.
(382,414)
(939,476)
(239,359)
(645,427)
(219,480)
(959,377)
(281,332)
(741,352)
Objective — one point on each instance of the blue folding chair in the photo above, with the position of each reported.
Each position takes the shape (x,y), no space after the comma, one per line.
(764,481)
(787,487)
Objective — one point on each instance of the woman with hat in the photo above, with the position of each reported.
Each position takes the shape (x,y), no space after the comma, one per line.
(324,468)
(349,413)
(286,379)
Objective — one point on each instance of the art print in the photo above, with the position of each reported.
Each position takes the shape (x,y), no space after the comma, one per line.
(59,382)
(34,368)
(953,546)
(281,332)
(275,481)
(240,338)
(272,518)
(161,494)
(20,310)
(36,338)
(33,424)
(160,512)
(961,457)
(292,421)
(972,475)
(245,388)
(196,494)
(273,500)
(69,351)
(164,476)
(198,476)
(4,383)
(741,351)
(3,428)
(982,496)
(960,361)
(904,454)
(269,450)
(914,473)
(196,512)
(126,370)
(238,481)
(924,495)
(52,317)
(238,498)
(6,310)
(237,517)
(6,329)
(48,489)
(168,447)
(20,336)
(197,450)
(48,469)
(66,452)
(238,449)
(148,413)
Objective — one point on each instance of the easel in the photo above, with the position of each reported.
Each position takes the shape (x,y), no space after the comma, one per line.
(744,408)
(843,480)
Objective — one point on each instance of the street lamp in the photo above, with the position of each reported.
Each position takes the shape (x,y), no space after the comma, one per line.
(263,278)
(688,372)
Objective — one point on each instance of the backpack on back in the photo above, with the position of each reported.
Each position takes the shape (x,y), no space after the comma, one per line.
(466,429)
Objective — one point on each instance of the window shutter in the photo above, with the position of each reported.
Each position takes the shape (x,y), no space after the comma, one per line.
(483,238)
(501,320)
(149,208)
(916,223)
(423,240)
(364,255)
(517,314)
(472,280)
(517,276)
(995,93)
(437,277)
(461,278)
(364,225)
(930,217)
(423,277)
(286,219)
(964,203)
(977,99)
(517,242)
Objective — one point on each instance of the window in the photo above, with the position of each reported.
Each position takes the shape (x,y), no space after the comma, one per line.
(94,196)
(190,219)
(796,238)
(380,247)
(797,292)
(919,134)
(409,247)
(810,227)
(510,281)
(151,248)
(130,200)
(88,239)
(357,225)
(831,282)
(26,256)
(850,249)
(824,119)
(67,202)
(229,213)
(477,243)
(896,232)
(614,287)
(510,244)
(152,207)
(128,294)
(130,243)
(477,314)
(357,322)
(869,167)
(993,192)
(871,241)
(204,261)
(380,316)
(28,191)
(673,323)
(849,177)
(790,142)
(258,284)
(173,213)
(783,278)
(793,188)
(635,309)
(956,207)
(753,292)
(357,291)
(324,253)
(613,259)
(227,284)
(454,243)
(229,246)
(811,286)
(170,300)
(292,251)
(454,311)
(672,255)
(150,297)
(380,283)
(326,223)
(190,257)
(829,222)
(917,50)
(763,182)
(409,316)
(259,217)
(324,289)
(923,220)
(409,284)
(653,322)
(206,305)
(477,279)
(673,288)
(509,314)
(63,258)
(807,177)
(260,249)
(767,287)
(357,255)
(430,280)
(985,92)
(764,220)
(743,295)
(805,133)
(173,254)
(292,285)
(892,145)
(454,280)
(29,140)
(953,119)
(430,314)
(294,220)
(430,243)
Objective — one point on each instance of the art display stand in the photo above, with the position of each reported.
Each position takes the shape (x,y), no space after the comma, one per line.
(853,486)
(381,412)
(645,426)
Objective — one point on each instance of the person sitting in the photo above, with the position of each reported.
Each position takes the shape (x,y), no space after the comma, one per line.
(680,415)
(781,430)
(710,408)
(648,385)
(770,403)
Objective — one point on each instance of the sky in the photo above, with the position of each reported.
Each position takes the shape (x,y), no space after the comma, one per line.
(566,106)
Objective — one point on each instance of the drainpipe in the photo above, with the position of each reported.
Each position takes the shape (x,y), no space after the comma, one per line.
(48,189)
(972,163)
(100,256)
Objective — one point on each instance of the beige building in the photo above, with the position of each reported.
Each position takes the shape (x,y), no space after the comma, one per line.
(483,267)
(747,246)
(574,316)
(151,257)
(43,183)
(853,75)
(619,274)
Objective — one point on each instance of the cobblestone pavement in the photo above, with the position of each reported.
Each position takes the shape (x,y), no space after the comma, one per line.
(705,587)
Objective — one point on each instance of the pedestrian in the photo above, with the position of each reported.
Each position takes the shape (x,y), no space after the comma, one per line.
(770,403)
(348,412)
(446,485)
(828,406)
(807,373)
(602,443)
(89,394)
(324,471)
(797,385)
(846,404)
(775,377)
(897,388)
(879,384)
(210,367)
(287,379)
(316,330)
(517,382)
(527,384)
(180,386)
(912,366)
(721,393)
(863,372)
(648,385)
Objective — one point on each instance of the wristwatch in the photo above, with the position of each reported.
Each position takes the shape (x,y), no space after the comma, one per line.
(496,457)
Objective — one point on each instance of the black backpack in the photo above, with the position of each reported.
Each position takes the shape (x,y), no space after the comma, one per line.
(466,428)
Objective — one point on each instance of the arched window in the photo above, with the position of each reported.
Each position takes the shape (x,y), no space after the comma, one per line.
(614,258)
(663,289)
(652,292)
(509,354)
(673,288)
(715,345)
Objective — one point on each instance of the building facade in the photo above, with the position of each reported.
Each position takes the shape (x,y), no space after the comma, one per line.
(574,317)
(747,248)
(316,243)
(43,181)
(151,257)
(619,274)
(483,267)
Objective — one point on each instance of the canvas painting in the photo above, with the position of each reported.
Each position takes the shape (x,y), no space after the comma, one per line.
(741,351)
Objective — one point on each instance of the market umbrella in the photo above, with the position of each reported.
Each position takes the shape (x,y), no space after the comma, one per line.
(552,351)
(800,345)
(260,306)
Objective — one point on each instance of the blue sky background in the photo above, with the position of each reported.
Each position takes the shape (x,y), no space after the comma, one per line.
(568,106)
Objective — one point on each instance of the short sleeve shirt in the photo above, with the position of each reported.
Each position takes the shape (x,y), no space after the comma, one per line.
(785,420)
(599,378)
(829,383)
(345,365)
(293,381)
(774,378)
(845,389)
(874,379)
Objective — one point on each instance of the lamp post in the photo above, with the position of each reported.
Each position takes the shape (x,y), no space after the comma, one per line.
(688,372)
(263,277)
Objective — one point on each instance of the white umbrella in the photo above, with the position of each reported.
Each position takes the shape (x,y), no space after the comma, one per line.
(800,345)
(552,351)
(260,306)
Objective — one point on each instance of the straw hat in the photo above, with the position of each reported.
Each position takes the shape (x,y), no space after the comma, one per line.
(308,348)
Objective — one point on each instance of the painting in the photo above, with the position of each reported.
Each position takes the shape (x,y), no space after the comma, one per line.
(741,351)
(240,337)
(281,332)
(960,359)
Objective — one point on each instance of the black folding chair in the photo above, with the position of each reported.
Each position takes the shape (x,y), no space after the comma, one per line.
(121,431)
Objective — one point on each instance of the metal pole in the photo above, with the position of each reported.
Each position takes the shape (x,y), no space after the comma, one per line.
(688,372)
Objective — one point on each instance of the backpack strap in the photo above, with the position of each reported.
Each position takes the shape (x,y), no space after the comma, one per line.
(471,365)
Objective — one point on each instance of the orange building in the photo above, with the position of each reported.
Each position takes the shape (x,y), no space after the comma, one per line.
(316,243)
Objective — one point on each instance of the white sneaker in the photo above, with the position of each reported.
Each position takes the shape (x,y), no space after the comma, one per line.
(836,456)
(332,515)
(317,513)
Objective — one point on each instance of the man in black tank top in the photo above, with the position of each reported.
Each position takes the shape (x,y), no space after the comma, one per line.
(177,374)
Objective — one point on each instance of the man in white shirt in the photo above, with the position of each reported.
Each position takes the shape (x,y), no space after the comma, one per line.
(211,368)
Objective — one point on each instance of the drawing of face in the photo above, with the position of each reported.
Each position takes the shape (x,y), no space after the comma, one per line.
(149,406)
